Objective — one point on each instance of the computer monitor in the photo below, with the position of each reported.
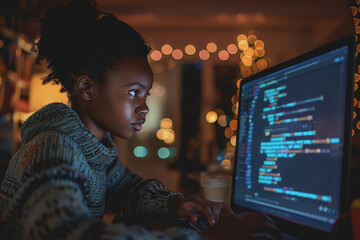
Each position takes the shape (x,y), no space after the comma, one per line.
(293,138)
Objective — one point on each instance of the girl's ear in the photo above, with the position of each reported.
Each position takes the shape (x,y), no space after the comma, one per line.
(84,87)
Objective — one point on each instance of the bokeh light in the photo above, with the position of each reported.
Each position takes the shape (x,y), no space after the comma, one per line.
(211,117)
(166,49)
(223,120)
(211,47)
(252,38)
(173,151)
(243,44)
(249,52)
(238,82)
(166,123)
(156,55)
(259,44)
(233,124)
(234,99)
(190,49)
(232,49)
(247,61)
(233,140)
(177,54)
(140,151)
(163,153)
(160,134)
(223,55)
(204,54)
(228,133)
(241,37)
(259,52)
(226,163)
(261,64)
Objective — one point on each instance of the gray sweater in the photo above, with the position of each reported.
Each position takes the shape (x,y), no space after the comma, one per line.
(59,183)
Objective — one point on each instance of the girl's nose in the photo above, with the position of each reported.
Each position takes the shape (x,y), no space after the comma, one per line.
(143,109)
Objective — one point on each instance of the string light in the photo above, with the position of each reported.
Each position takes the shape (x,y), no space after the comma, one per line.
(156,55)
(204,54)
(211,47)
(190,49)
(177,54)
(223,55)
(232,49)
(166,49)
(166,123)
(211,117)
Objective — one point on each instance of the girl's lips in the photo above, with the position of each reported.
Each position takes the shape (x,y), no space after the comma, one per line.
(136,126)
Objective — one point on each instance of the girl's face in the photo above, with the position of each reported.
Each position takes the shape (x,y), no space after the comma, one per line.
(118,105)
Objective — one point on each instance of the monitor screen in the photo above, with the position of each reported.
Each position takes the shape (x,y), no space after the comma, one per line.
(290,145)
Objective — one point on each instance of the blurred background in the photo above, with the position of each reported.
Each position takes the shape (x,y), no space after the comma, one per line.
(200,52)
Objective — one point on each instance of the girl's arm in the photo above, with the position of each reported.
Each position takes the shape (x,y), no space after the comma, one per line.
(130,194)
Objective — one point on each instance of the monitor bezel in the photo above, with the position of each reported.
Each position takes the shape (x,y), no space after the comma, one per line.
(298,229)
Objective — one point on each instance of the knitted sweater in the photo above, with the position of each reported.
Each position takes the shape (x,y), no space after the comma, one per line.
(59,183)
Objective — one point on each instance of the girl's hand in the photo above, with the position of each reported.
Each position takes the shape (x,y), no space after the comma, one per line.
(243,226)
(190,209)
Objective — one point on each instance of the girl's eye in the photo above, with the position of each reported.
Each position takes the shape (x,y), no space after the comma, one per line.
(134,93)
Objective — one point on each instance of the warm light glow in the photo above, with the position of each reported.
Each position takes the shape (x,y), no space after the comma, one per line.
(234,99)
(245,71)
(167,135)
(234,109)
(259,52)
(233,140)
(158,90)
(41,95)
(211,117)
(170,139)
(160,134)
(252,38)
(166,123)
(156,55)
(233,124)
(259,44)
(247,61)
(158,67)
(241,18)
(166,49)
(232,49)
(243,44)
(226,164)
(223,55)
(190,49)
(204,54)
(241,37)
(177,54)
(238,83)
(261,64)
(211,47)
(223,120)
(228,133)
(249,52)
(171,64)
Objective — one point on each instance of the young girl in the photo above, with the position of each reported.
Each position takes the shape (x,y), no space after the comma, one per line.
(67,172)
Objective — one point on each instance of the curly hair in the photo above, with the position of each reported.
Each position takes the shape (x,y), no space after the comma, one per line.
(78,39)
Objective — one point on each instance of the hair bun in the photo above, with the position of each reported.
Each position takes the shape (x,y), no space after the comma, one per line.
(65,27)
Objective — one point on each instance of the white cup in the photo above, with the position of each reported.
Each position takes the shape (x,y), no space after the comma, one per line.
(216,188)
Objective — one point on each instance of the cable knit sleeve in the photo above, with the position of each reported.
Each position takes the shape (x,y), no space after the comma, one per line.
(133,195)
(52,200)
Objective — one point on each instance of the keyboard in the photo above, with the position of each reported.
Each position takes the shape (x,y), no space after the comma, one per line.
(200,225)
